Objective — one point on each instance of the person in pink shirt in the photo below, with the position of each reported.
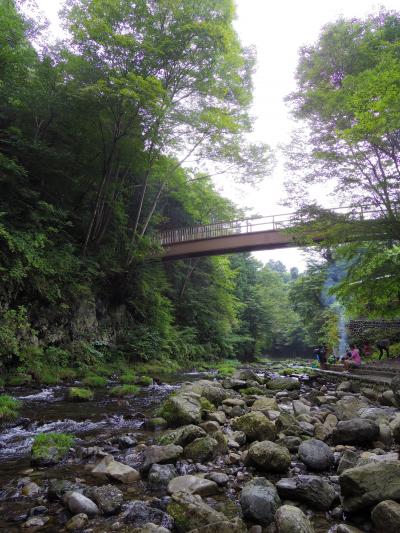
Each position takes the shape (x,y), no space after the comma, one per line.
(355,359)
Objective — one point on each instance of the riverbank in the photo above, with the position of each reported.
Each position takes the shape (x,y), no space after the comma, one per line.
(251,452)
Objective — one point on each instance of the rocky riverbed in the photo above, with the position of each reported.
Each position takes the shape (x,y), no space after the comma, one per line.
(253,452)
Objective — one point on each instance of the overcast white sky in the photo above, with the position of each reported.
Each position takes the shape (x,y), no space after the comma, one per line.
(277,28)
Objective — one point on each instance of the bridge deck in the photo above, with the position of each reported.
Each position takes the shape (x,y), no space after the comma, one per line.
(260,240)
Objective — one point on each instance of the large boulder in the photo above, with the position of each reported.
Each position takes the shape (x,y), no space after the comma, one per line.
(287,424)
(192,485)
(316,455)
(355,431)
(312,490)
(161,475)
(182,436)
(269,457)
(265,404)
(181,409)
(191,512)
(348,407)
(78,503)
(365,486)
(201,450)
(290,519)
(160,455)
(108,498)
(256,426)
(212,390)
(386,516)
(280,384)
(108,467)
(259,500)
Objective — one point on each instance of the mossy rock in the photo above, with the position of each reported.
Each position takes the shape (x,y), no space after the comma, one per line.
(50,448)
(144,381)
(206,406)
(79,394)
(280,384)
(129,378)
(256,426)
(181,409)
(9,408)
(202,449)
(182,436)
(156,423)
(124,390)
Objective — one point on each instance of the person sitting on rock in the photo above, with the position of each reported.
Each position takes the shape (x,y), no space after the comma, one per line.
(383,345)
(355,359)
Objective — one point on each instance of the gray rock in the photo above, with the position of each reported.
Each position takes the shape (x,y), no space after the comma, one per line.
(108,498)
(290,519)
(345,528)
(161,475)
(316,455)
(388,398)
(77,503)
(182,409)
(108,467)
(348,460)
(79,521)
(386,516)
(218,477)
(160,455)
(300,408)
(31,489)
(280,384)
(210,426)
(256,426)
(290,442)
(264,405)
(269,456)
(287,424)
(235,384)
(259,500)
(182,436)
(355,431)
(201,450)
(348,407)
(365,486)
(211,390)
(139,514)
(192,485)
(217,416)
(191,512)
(35,522)
(312,490)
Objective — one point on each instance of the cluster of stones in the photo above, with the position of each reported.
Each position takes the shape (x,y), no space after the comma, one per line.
(248,453)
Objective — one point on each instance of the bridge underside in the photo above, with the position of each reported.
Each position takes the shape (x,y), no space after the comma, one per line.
(236,243)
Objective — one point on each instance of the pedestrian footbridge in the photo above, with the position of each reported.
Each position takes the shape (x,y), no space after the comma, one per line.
(258,233)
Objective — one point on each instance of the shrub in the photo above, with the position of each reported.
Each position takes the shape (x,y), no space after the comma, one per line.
(17,380)
(128,377)
(124,390)
(9,407)
(48,448)
(95,381)
(79,394)
(48,377)
(67,374)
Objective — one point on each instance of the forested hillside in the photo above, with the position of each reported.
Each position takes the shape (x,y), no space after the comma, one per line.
(105,139)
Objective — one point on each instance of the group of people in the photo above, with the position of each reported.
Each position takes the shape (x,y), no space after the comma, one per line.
(352,358)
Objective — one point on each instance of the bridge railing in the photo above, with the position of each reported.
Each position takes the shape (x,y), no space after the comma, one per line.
(255,224)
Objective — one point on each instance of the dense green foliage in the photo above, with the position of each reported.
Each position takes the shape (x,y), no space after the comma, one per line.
(9,407)
(100,140)
(347,98)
